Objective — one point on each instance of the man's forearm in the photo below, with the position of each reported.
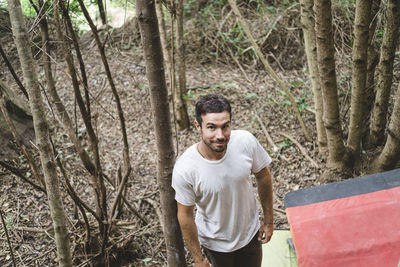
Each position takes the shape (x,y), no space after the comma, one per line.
(264,185)
(189,233)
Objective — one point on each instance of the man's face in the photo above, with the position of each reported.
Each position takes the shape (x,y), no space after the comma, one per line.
(215,130)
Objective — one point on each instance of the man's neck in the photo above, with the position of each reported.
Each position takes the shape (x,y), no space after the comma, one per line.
(207,153)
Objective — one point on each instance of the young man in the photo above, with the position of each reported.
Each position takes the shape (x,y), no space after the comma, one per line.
(214,176)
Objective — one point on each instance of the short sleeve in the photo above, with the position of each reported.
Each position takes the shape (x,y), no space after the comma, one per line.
(184,193)
(261,159)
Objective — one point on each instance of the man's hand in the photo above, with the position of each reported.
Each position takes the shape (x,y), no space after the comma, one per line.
(203,263)
(265,232)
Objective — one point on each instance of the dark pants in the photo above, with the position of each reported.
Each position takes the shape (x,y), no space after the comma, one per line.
(248,256)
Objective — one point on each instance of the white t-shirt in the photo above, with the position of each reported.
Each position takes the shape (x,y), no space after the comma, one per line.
(222,190)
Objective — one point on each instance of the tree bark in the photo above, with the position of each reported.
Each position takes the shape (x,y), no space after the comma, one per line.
(61,110)
(42,133)
(163,37)
(180,91)
(97,179)
(102,12)
(145,12)
(310,43)
(338,155)
(127,166)
(359,74)
(390,155)
(385,71)
(372,62)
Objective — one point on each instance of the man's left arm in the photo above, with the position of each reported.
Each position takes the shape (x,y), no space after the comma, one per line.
(264,186)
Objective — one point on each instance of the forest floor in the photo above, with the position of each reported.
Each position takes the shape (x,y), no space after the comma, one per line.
(252,94)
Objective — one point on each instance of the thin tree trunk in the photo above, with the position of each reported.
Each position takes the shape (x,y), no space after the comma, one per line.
(390,155)
(97,178)
(82,68)
(102,12)
(385,71)
(163,37)
(42,133)
(372,62)
(359,74)
(338,156)
(126,159)
(146,14)
(180,92)
(61,111)
(15,76)
(310,43)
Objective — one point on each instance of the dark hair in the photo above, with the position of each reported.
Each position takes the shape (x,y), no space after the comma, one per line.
(212,103)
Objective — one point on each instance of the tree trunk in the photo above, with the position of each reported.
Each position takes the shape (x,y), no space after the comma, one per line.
(97,179)
(61,111)
(145,12)
(180,92)
(390,155)
(163,37)
(102,12)
(372,62)
(42,133)
(338,155)
(359,74)
(385,71)
(308,25)
(127,166)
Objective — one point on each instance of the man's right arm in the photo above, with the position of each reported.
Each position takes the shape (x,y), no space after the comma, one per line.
(189,232)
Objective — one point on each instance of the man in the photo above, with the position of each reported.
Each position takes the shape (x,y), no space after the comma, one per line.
(214,176)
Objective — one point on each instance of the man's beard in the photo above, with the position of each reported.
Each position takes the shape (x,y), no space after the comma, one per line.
(216,149)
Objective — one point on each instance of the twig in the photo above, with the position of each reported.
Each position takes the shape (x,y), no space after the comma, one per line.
(158,211)
(33,229)
(270,141)
(10,68)
(134,210)
(280,210)
(40,256)
(20,175)
(302,149)
(20,143)
(8,238)
(115,243)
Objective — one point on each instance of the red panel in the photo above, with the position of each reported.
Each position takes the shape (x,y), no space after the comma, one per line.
(362,230)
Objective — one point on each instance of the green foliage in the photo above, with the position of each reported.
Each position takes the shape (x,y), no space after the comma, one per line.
(79,22)
(189,95)
(26,6)
(379,34)
(285,144)
(236,37)
(302,101)
(345,4)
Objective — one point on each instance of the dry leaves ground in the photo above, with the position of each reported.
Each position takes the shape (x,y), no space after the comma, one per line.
(26,211)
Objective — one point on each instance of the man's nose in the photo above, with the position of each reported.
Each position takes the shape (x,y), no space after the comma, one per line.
(219,134)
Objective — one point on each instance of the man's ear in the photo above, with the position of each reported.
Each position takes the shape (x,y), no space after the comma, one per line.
(198,126)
